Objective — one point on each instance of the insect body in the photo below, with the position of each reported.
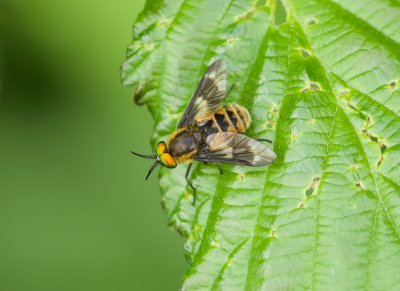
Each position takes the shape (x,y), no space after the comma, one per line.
(210,133)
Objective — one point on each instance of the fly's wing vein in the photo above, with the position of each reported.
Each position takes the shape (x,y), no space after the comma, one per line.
(235,148)
(208,96)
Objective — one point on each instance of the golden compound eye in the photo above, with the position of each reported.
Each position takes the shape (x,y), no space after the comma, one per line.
(167,160)
(161,148)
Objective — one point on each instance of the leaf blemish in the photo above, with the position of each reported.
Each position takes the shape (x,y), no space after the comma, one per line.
(353,167)
(305,53)
(368,122)
(241,177)
(312,121)
(351,106)
(312,22)
(360,185)
(313,186)
(273,233)
(232,41)
(164,23)
(295,136)
(215,243)
(381,159)
(310,86)
(383,147)
(198,228)
(245,16)
(344,92)
(393,86)
(148,46)
(229,263)
(371,137)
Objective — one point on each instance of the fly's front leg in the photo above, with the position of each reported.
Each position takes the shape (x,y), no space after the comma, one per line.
(190,184)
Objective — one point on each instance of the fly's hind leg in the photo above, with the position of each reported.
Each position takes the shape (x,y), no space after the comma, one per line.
(220,169)
(264,139)
(230,90)
(190,184)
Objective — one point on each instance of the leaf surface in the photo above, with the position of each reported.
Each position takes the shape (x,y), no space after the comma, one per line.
(324,86)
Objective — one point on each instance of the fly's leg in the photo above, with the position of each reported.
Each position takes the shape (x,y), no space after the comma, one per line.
(220,169)
(264,139)
(218,165)
(190,184)
(230,90)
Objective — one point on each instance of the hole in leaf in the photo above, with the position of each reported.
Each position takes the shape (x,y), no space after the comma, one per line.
(313,186)
(371,137)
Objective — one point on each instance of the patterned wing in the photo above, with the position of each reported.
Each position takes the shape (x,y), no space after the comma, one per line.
(235,148)
(208,96)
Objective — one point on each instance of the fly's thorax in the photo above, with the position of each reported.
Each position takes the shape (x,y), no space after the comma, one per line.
(183,145)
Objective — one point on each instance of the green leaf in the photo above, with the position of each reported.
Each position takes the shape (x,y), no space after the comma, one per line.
(324,86)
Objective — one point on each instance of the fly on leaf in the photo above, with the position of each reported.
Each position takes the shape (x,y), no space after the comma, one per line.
(210,133)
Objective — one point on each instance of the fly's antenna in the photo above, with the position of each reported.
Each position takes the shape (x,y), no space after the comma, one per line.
(156,163)
(153,157)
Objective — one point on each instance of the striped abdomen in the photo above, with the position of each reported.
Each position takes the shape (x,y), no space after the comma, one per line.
(232,118)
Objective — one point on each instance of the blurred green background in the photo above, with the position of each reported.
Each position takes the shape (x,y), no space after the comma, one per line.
(75,211)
